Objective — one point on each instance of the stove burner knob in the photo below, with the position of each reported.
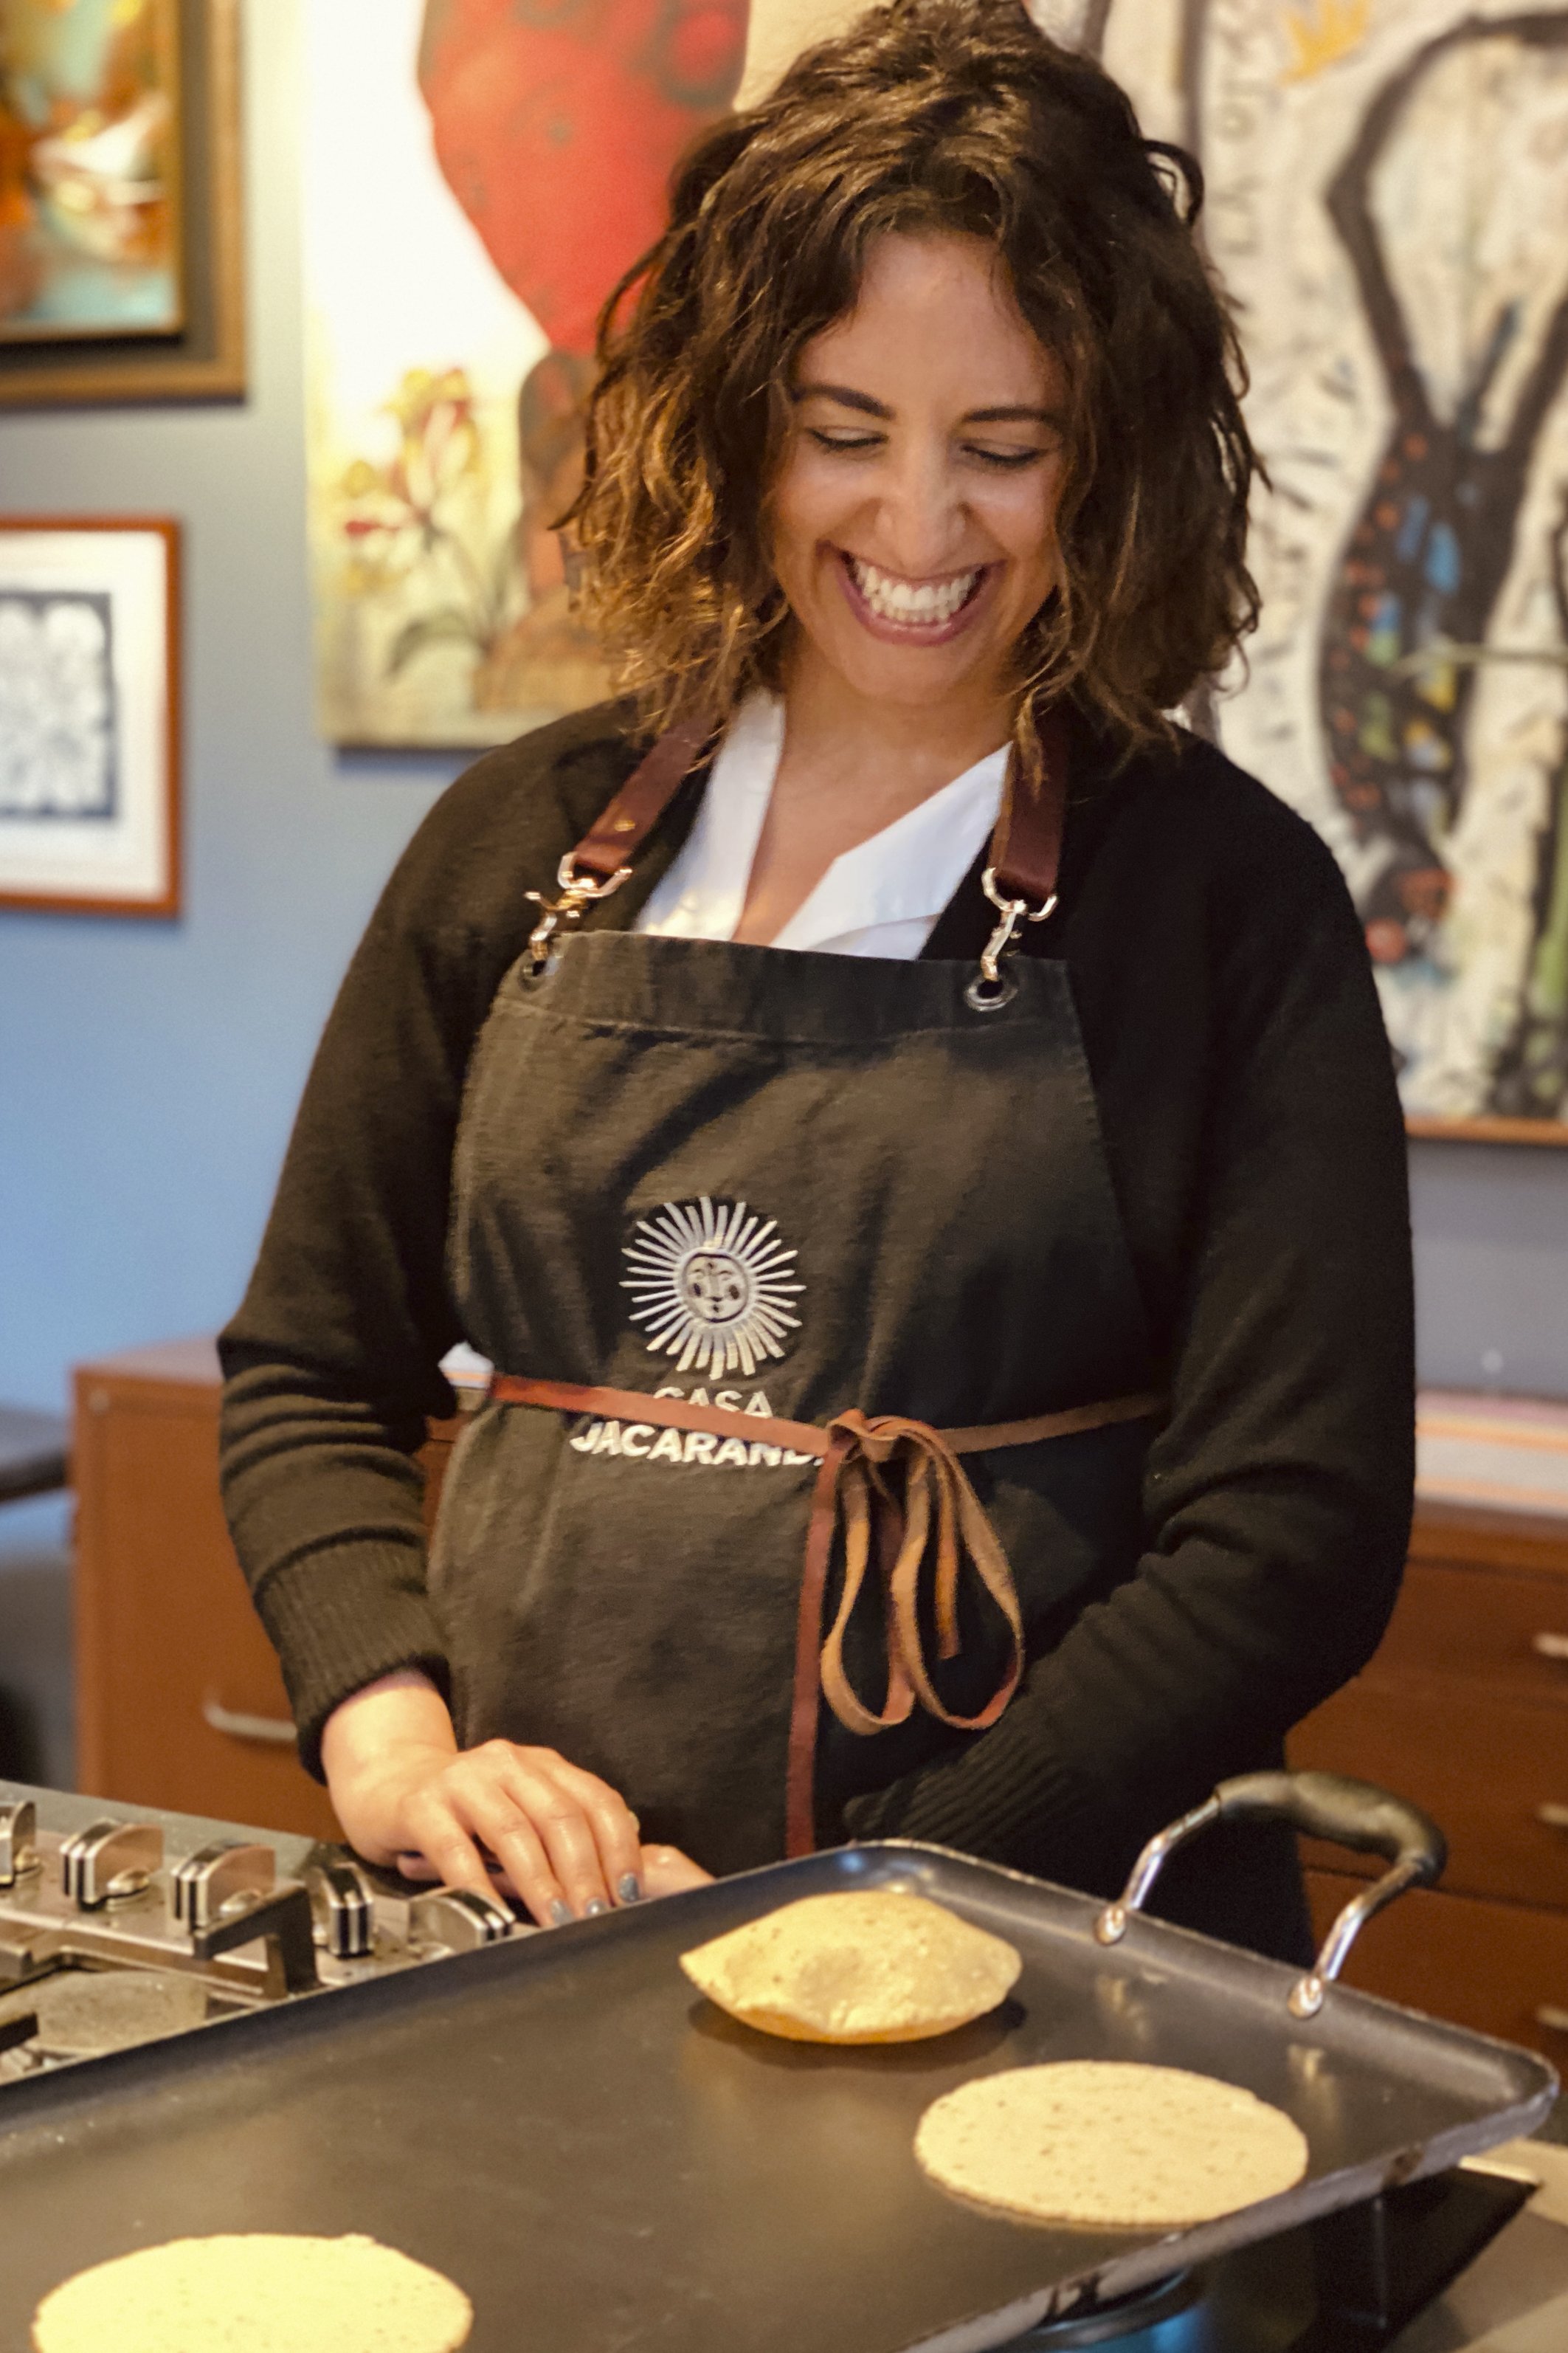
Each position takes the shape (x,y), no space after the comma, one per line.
(217,1878)
(456,1920)
(110,1859)
(18,1842)
(345,1908)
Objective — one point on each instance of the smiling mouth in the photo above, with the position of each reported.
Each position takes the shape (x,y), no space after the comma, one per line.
(913,604)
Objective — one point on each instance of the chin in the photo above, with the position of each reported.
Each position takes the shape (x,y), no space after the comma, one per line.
(912,676)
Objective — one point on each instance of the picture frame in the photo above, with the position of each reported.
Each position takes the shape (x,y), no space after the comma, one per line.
(202,354)
(1488,1131)
(89,714)
(1384,201)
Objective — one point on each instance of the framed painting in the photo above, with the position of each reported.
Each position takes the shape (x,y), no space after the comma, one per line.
(121,263)
(89,714)
(478,175)
(1386,194)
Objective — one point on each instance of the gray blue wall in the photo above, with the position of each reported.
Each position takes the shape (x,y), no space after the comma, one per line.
(148,1072)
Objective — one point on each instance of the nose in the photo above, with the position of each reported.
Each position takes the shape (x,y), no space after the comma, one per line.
(922,516)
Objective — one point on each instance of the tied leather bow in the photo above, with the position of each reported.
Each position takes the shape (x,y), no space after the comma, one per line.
(888,1480)
(901,1495)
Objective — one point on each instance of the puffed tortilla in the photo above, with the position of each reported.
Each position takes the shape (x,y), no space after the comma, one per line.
(881,1967)
(256,2293)
(1109,2145)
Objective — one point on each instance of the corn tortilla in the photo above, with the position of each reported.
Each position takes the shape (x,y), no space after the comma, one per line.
(1107,2145)
(256,2293)
(876,1968)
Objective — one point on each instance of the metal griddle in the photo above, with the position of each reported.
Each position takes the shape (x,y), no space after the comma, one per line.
(604,2162)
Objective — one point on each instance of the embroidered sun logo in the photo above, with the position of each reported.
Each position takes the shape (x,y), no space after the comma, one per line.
(712,1285)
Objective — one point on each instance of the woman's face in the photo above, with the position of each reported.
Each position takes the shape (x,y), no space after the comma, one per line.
(913,518)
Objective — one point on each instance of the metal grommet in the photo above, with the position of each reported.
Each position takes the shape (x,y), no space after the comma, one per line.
(985,996)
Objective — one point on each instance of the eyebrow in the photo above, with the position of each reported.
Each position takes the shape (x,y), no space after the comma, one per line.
(846,397)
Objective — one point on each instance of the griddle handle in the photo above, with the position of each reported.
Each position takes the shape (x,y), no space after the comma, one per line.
(1321,1805)
(1351,1813)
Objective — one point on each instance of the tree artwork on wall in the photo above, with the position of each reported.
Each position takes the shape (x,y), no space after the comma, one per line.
(1387,184)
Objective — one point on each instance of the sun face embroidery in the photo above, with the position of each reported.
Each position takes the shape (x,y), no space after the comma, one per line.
(712,1285)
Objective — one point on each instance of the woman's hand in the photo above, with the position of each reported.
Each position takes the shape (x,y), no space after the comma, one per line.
(667,1872)
(407,1795)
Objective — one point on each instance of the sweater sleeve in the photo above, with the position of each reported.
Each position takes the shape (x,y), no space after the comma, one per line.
(331,1364)
(1277,1494)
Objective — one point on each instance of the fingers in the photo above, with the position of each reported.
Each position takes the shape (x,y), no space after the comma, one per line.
(615,1828)
(566,1841)
(514,1840)
(437,1830)
(586,1830)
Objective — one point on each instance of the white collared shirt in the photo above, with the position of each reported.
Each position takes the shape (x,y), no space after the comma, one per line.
(880,899)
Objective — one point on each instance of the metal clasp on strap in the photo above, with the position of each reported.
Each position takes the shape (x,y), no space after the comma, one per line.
(577,892)
(992,987)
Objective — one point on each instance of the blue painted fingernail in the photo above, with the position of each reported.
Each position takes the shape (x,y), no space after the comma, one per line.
(560,1914)
(629,1889)
(594,1907)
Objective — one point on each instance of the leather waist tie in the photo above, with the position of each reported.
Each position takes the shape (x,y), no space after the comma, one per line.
(901,1494)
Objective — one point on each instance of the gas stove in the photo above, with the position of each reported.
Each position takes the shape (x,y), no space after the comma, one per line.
(120,1924)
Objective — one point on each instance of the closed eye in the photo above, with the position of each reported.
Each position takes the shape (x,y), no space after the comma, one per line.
(1010,461)
(825,440)
(850,443)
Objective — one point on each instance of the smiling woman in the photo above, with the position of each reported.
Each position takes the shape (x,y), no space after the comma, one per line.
(1048,1210)
(1069,286)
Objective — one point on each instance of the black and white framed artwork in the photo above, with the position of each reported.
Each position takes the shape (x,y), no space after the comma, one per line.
(89,714)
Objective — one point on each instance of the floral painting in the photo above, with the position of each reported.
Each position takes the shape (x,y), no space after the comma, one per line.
(479,174)
(90,137)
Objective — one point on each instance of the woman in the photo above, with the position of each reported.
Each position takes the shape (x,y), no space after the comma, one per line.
(917,1145)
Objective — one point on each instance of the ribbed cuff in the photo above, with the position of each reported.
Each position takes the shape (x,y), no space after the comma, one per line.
(342,1617)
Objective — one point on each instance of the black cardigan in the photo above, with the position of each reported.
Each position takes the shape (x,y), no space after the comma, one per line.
(1254,1142)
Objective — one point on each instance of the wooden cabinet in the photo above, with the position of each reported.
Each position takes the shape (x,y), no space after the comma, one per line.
(179,1698)
(1465,1709)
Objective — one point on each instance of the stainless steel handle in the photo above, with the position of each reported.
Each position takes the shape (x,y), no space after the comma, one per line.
(110,1859)
(271,1729)
(219,1879)
(345,1907)
(18,1841)
(1549,1646)
(457,1920)
(1320,1805)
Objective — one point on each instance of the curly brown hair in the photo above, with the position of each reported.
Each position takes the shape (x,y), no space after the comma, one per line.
(926,116)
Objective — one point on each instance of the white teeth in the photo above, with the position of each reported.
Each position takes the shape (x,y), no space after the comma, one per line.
(899,600)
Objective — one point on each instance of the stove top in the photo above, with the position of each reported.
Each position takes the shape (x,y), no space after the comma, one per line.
(120,1924)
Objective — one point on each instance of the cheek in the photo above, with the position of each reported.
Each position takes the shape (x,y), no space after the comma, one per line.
(1021,515)
(808,505)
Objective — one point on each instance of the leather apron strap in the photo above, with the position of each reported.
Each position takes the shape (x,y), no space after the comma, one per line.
(1020,875)
(896,1488)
